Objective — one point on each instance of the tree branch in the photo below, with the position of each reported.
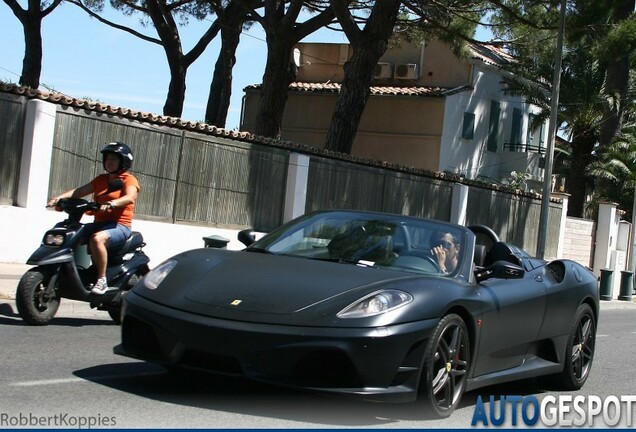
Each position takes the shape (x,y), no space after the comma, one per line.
(346,20)
(81,5)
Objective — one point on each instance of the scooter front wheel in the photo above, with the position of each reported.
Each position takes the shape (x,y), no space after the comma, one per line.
(37,304)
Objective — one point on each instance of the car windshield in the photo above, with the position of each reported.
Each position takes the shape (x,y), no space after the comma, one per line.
(369,239)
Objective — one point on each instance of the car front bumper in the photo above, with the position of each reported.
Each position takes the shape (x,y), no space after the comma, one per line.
(380,363)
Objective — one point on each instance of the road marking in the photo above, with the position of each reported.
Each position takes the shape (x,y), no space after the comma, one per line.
(78,379)
(45,382)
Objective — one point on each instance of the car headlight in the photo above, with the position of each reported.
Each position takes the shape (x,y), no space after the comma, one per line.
(52,239)
(158,274)
(377,303)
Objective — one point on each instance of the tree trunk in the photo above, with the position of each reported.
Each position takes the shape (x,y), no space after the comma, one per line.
(275,87)
(32,62)
(221,86)
(368,46)
(177,87)
(352,100)
(576,180)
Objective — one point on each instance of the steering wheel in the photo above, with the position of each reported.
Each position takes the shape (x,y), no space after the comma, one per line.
(432,260)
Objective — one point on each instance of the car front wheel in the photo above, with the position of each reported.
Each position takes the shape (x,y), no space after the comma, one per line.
(446,366)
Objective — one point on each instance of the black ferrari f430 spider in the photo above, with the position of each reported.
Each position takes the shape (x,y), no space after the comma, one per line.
(387,307)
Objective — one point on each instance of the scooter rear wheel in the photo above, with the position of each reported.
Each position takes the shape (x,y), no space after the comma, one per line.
(37,305)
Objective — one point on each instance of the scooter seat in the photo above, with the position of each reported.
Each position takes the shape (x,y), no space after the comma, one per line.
(133,242)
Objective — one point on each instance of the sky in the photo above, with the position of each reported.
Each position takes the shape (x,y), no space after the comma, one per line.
(84,58)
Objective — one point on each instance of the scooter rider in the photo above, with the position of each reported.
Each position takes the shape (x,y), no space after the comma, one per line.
(113,220)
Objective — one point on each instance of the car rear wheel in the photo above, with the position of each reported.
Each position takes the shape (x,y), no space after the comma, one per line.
(579,351)
(445,369)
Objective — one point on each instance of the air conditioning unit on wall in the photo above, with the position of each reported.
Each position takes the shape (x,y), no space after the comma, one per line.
(406,71)
(383,70)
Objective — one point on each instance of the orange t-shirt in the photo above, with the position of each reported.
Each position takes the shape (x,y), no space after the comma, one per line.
(123,215)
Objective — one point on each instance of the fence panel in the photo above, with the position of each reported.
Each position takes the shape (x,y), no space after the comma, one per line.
(199,178)
(417,196)
(343,185)
(79,138)
(514,218)
(12,114)
(231,183)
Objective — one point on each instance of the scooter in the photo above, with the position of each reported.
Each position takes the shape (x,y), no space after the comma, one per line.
(64,269)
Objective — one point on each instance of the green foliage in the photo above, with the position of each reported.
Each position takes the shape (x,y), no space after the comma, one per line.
(517,179)
(619,41)
(617,164)
(452,21)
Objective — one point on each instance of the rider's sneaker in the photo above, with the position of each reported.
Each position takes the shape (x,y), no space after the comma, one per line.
(101,286)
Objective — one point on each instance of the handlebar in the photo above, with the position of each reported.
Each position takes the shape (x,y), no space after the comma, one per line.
(76,205)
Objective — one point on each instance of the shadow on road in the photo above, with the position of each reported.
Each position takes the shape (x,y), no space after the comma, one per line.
(241,396)
(9,317)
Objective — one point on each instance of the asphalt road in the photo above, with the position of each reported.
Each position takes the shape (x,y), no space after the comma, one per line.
(65,375)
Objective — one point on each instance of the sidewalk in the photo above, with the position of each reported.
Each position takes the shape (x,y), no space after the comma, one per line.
(10,275)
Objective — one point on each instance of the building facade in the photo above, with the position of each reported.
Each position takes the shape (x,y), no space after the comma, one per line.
(429,109)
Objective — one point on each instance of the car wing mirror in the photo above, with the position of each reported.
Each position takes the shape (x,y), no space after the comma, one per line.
(246,236)
(500,270)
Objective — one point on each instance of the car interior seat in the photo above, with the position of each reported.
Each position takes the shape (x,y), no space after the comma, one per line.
(378,249)
(480,255)
(357,244)
(500,251)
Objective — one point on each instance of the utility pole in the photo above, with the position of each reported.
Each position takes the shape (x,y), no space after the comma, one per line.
(549,154)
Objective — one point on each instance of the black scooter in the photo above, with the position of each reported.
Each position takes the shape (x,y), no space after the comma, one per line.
(64,269)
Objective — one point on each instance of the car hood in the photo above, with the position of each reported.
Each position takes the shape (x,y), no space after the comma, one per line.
(248,285)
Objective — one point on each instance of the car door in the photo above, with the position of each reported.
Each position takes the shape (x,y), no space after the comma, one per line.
(513,310)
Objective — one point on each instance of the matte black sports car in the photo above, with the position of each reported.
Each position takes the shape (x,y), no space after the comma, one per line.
(383,306)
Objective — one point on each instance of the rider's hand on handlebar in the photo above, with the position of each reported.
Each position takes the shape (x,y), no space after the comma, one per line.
(52,202)
(103,207)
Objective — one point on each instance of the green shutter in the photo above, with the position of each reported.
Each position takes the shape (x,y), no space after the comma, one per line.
(515,132)
(468,126)
(493,126)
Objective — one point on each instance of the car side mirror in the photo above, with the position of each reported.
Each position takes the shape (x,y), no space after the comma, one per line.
(500,270)
(246,236)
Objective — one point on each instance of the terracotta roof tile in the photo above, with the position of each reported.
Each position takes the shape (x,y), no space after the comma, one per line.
(491,53)
(332,87)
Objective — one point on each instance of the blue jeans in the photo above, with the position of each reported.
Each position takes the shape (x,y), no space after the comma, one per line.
(117,233)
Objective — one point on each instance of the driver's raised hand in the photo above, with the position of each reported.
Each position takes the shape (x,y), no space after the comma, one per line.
(439,253)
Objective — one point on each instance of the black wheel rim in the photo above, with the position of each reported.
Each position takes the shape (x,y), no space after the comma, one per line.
(450,366)
(583,348)
(41,298)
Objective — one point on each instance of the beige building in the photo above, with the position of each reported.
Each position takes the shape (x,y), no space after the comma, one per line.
(428,109)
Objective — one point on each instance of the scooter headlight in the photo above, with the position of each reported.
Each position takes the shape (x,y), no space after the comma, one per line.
(53,239)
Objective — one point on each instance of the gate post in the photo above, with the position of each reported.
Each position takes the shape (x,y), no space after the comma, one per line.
(37,150)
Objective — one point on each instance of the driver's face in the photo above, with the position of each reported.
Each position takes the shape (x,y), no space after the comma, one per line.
(448,243)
